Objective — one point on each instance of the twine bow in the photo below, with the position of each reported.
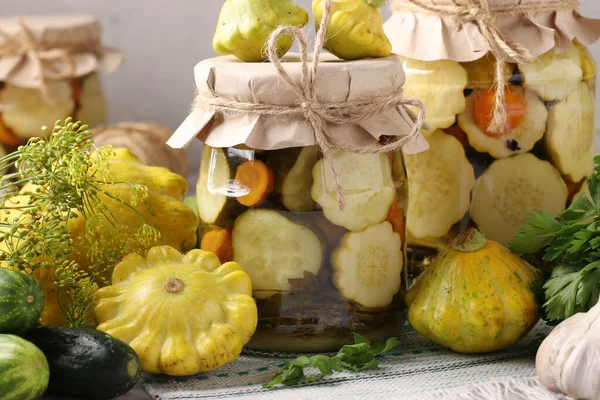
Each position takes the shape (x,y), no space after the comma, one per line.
(484,16)
(25,44)
(318,114)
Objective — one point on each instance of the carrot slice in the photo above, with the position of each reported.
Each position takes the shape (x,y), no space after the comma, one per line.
(573,187)
(218,241)
(7,137)
(76,89)
(259,178)
(458,133)
(397,218)
(483,107)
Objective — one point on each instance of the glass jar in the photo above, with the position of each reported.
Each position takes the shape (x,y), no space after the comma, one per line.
(318,273)
(471,177)
(49,70)
(23,111)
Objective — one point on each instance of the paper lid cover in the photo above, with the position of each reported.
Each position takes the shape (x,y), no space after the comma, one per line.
(337,81)
(79,36)
(428,36)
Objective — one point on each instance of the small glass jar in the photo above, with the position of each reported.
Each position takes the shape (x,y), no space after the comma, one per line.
(318,273)
(471,177)
(59,78)
(24,111)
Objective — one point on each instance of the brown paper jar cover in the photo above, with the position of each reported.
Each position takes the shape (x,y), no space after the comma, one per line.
(337,81)
(80,34)
(428,37)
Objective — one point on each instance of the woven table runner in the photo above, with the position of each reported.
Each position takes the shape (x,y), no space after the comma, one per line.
(417,370)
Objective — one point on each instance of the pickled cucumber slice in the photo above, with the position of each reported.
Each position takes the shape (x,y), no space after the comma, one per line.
(26,110)
(588,65)
(92,105)
(215,192)
(293,176)
(513,188)
(570,138)
(553,76)
(367,184)
(520,140)
(439,85)
(272,250)
(367,267)
(439,185)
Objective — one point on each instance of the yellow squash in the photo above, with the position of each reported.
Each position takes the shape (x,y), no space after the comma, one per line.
(244,27)
(355,28)
(182,314)
(162,209)
(475,297)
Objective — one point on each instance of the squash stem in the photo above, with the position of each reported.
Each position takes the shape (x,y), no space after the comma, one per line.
(174,285)
(469,241)
(376,3)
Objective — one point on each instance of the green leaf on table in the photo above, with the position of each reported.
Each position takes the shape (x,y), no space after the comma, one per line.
(290,375)
(384,345)
(355,357)
(325,364)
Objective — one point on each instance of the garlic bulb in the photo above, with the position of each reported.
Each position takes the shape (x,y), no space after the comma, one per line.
(568,361)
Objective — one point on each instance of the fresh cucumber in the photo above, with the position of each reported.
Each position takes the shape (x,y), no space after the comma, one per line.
(86,362)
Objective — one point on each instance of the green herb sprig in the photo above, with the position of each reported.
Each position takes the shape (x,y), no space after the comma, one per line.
(572,239)
(67,176)
(361,355)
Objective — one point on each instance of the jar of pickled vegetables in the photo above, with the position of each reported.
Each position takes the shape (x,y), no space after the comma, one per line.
(268,199)
(49,71)
(475,176)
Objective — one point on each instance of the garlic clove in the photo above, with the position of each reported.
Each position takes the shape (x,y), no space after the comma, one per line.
(568,360)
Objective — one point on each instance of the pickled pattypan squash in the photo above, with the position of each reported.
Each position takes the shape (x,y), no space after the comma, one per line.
(475,297)
(355,29)
(182,314)
(244,27)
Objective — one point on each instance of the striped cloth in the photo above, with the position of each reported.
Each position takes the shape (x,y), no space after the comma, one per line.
(417,370)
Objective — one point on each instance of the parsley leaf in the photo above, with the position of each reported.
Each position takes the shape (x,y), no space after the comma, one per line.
(360,356)
(573,239)
(537,235)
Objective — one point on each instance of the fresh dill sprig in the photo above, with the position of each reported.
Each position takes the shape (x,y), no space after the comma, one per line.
(48,183)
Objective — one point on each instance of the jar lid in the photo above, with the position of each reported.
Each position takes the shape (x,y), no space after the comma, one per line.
(68,46)
(260,83)
(455,33)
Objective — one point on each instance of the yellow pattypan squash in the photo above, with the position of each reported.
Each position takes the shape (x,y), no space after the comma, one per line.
(182,314)
(244,27)
(475,297)
(355,28)
(162,209)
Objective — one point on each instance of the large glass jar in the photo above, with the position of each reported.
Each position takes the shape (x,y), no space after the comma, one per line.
(473,177)
(318,273)
(49,70)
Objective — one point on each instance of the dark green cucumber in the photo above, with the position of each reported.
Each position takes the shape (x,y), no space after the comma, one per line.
(86,362)
(21,302)
(23,369)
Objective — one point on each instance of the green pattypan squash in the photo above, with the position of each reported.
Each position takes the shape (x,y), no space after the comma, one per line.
(244,27)
(355,29)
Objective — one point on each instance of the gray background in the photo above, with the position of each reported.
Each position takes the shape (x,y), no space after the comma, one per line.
(163,40)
